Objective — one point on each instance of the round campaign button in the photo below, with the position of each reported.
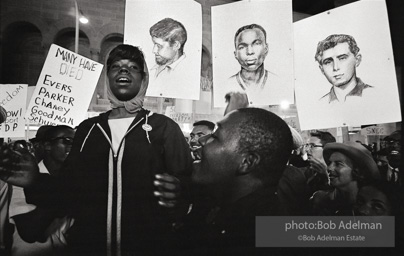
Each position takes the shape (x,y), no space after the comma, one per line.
(147,127)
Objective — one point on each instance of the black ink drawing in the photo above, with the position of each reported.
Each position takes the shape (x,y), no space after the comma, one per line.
(338,57)
(169,37)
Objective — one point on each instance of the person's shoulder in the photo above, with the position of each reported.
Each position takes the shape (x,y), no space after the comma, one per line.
(233,76)
(368,86)
(370,91)
(232,84)
(325,96)
(271,74)
(322,196)
(294,172)
(159,118)
(88,123)
(91,120)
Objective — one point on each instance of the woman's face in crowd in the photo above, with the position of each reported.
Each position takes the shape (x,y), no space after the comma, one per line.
(125,79)
(370,201)
(340,170)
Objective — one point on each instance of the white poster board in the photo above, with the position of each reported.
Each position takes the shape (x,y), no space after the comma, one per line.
(376,100)
(275,17)
(178,116)
(64,88)
(13,100)
(182,79)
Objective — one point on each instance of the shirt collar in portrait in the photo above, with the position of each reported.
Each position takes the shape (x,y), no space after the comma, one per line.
(170,67)
(356,91)
(260,84)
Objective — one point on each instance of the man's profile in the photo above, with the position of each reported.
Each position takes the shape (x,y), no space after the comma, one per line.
(169,37)
(338,56)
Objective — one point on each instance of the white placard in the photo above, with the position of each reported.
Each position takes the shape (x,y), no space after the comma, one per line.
(293,122)
(183,79)
(276,85)
(379,129)
(13,100)
(378,102)
(177,116)
(64,88)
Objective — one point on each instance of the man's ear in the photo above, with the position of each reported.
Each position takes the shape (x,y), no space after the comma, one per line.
(356,175)
(177,45)
(266,49)
(47,146)
(248,163)
(358,58)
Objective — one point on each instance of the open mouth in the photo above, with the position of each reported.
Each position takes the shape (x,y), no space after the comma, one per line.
(332,176)
(123,80)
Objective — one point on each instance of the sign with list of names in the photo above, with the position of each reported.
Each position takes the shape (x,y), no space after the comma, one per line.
(64,88)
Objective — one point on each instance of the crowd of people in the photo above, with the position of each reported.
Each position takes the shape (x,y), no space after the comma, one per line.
(128,183)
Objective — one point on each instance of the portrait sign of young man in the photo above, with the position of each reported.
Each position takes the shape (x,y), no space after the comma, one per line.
(251,49)
(338,57)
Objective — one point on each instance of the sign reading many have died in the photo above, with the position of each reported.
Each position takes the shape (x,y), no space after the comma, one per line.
(64,88)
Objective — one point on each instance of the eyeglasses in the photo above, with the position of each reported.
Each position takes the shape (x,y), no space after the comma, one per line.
(393,142)
(65,140)
(310,146)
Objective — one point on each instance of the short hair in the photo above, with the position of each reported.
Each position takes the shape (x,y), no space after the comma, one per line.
(393,194)
(331,41)
(325,137)
(266,134)
(170,30)
(251,26)
(127,52)
(207,123)
(54,130)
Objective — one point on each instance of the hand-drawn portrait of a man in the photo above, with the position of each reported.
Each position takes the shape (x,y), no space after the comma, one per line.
(250,51)
(338,57)
(169,37)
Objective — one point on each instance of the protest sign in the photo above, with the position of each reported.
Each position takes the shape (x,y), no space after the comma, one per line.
(13,100)
(359,88)
(177,75)
(177,116)
(64,88)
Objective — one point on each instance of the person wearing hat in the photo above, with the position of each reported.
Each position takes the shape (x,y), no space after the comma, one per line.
(38,142)
(349,166)
(393,148)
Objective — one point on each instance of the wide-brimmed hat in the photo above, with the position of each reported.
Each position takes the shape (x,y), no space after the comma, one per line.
(40,134)
(359,155)
(396,135)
